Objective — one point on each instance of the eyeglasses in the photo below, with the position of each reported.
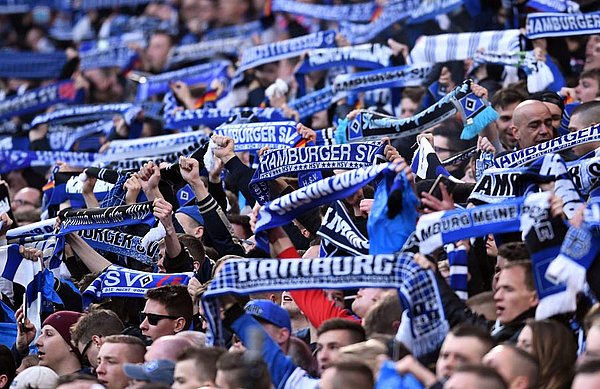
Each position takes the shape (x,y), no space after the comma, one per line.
(154,318)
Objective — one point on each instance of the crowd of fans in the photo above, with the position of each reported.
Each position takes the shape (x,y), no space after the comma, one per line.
(326,338)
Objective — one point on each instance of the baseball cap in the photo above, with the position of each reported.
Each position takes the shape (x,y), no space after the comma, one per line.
(160,370)
(40,377)
(193,212)
(270,312)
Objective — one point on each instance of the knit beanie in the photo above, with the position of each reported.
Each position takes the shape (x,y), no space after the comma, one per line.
(62,321)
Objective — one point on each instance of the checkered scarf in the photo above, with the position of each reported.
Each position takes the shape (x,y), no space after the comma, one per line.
(417,287)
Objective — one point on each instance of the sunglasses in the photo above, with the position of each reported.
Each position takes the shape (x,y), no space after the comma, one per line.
(154,318)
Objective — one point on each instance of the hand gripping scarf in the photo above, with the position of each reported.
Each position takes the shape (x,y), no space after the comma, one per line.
(475,113)
(417,288)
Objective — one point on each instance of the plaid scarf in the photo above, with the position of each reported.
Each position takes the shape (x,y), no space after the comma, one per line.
(475,113)
(417,288)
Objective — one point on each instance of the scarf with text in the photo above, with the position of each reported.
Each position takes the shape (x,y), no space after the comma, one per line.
(254,136)
(543,235)
(279,162)
(63,137)
(206,50)
(86,113)
(133,148)
(439,228)
(238,31)
(214,117)
(272,52)
(461,46)
(579,250)
(319,100)
(417,288)
(395,77)
(117,281)
(115,55)
(553,6)
(125,215)
(475,113)
(35,100)
(359,12)
(392,12)
(20,159)
(123,244)
(547,25)
(338,231)
(284,209)
(567,141)
(198,74)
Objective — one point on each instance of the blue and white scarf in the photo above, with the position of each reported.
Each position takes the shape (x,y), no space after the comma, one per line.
(198,74)
(543,235)
(241,31)
(425,163)
(458,262)
(132,148)
(461,46)
(279,162)
(553,6)
(417,288)
(117,281)
(63,137)
(439,228)
(87,5)
(475,113)
(567,141)
(205,50)
(338,231)
(286,208)
(358,12)
(84,113)
(547,25)
(31,65)
(115,55)
(19,159)
(80,219)
(214,117)
(316,101)
(35,100)
(122,244)
(254,136)
(392,12)
(429,9)
(396,77)
(272,52)
(370,56)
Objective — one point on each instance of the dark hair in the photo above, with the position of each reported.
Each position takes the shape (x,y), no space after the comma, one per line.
(514,251)
(194,246)
(301,355)
(464,330)
(589,112)
(415,94)
(555,349)
(505,97)
(592,73)
(7,364)
(99,322)
(175,299)
(381,317)
(69,378)
(451,129)
(242,220)
(245,370)
(492,379)
(352,375)
(205,361)
(357,332)
(591,366)
(549,97)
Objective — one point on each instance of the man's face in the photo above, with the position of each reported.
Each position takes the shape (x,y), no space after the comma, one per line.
(407,107)
(587,90)
(533,124)
(504,123)
(365,299)
(512,296)
(457,351)
(164,326)
(576,124)
(52,348)
(555,112)
(90,352)
(328,345)
(186,376)
(158,51)
(111,358)
(592,53)
(336,296)
(499,359)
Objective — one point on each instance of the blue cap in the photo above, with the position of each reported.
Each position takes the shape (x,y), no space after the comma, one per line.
(269,311)
(193,212)
(160,370)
